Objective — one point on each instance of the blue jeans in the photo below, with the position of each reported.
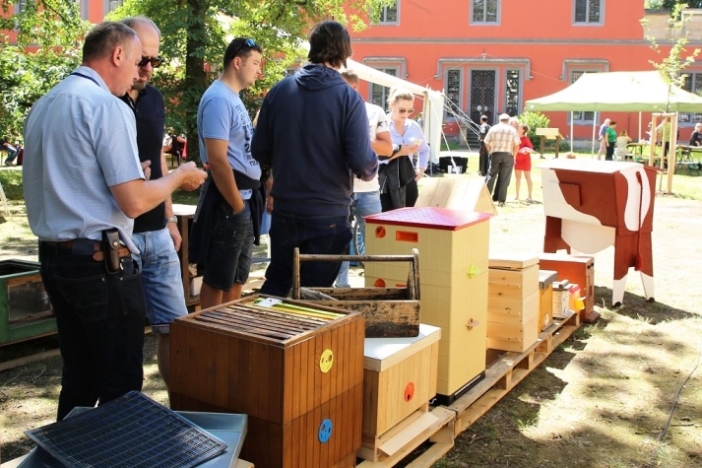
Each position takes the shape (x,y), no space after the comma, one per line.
(500,164)
(11,153)
(326,235)
(100,319)
(161,277)
(364,204)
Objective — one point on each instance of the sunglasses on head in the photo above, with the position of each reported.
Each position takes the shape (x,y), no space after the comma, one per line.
(405,111)
(250,43)
(155,61)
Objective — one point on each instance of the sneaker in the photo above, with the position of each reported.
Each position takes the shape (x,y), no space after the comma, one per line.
(501,204)
(529,200)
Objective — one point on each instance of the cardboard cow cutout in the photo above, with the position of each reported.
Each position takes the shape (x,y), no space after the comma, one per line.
(591,205)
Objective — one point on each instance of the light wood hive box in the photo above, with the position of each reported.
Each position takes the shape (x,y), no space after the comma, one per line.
(453,263)
(299,379)
(399,379)
(513,303)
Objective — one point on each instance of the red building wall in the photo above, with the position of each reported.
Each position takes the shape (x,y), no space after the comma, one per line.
(434,41)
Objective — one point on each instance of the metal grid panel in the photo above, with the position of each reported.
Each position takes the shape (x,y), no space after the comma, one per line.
(131,431)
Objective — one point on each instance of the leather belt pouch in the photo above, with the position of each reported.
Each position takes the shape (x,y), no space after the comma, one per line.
(110,248)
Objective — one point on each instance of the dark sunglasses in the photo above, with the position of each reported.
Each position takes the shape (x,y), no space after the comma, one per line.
(155,61)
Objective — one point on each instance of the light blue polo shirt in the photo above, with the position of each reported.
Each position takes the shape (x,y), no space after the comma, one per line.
(221,115)
(79,141)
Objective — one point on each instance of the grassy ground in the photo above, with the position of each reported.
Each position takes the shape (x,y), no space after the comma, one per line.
(603,399)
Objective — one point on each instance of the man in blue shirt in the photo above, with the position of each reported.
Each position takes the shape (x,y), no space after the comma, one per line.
(230,205)
(155,232)
(313,132)
(82,182)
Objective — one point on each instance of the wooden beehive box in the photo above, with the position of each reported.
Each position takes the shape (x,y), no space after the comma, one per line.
(296,371)
(388,311)
(546,279)
(399,379)
(453,259)
(513,303)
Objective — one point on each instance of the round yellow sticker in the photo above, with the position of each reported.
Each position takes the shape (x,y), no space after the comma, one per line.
(326,361)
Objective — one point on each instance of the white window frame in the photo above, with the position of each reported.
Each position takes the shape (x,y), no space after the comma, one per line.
(382,20)
(689,119)
(587,21)
(484,21)
(110,7)
(461,78)
(19,8)
(520,88)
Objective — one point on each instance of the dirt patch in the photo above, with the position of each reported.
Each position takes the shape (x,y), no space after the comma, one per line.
(602,399)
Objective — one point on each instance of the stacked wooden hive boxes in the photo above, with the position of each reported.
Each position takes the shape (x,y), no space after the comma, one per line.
(400,354)
(453,255)
(514,319)
(296,372)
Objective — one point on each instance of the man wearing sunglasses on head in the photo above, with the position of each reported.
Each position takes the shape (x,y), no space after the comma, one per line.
(155,232)
(228,216)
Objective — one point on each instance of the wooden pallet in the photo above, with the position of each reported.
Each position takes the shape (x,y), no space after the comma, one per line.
(501,377)
(436,426)
(510,369)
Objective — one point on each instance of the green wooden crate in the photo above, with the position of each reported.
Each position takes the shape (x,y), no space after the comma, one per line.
(25,311)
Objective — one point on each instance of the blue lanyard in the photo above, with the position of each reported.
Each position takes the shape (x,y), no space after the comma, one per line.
(86,77)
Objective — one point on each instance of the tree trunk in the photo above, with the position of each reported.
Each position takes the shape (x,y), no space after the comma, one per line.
(195,82)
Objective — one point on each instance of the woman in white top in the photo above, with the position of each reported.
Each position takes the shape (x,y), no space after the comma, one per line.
(620,150)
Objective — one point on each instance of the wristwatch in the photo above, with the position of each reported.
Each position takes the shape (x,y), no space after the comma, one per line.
(172,219)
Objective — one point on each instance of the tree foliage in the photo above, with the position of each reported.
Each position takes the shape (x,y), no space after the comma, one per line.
(534,120)
(46,49)
(670,4)
(672,65)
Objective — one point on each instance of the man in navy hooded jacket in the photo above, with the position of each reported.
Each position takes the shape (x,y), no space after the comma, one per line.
(313,132)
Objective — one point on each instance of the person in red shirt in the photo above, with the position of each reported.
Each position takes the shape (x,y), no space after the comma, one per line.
(522,165)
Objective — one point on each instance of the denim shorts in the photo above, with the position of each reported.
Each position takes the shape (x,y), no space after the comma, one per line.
(161,277)
(231,248)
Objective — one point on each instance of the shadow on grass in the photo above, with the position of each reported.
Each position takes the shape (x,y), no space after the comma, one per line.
(638,308)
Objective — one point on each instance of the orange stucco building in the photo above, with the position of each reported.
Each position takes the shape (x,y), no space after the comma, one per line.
(490,56)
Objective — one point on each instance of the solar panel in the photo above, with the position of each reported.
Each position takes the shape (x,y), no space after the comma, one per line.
(132,431)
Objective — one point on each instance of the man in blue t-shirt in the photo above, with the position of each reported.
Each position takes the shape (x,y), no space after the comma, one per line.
(227,212)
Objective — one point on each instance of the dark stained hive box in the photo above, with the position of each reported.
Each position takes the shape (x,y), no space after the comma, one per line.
(297,374)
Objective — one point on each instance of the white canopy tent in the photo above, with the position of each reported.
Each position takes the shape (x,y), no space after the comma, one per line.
(642,91)
(433,101)
(619,92)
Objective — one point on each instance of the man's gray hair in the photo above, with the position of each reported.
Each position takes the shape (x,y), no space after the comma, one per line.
(136,21)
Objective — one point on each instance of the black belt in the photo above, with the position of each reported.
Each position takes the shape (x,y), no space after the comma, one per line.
(84,247)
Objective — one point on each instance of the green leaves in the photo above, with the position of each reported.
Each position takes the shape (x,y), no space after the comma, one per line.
(49,36)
